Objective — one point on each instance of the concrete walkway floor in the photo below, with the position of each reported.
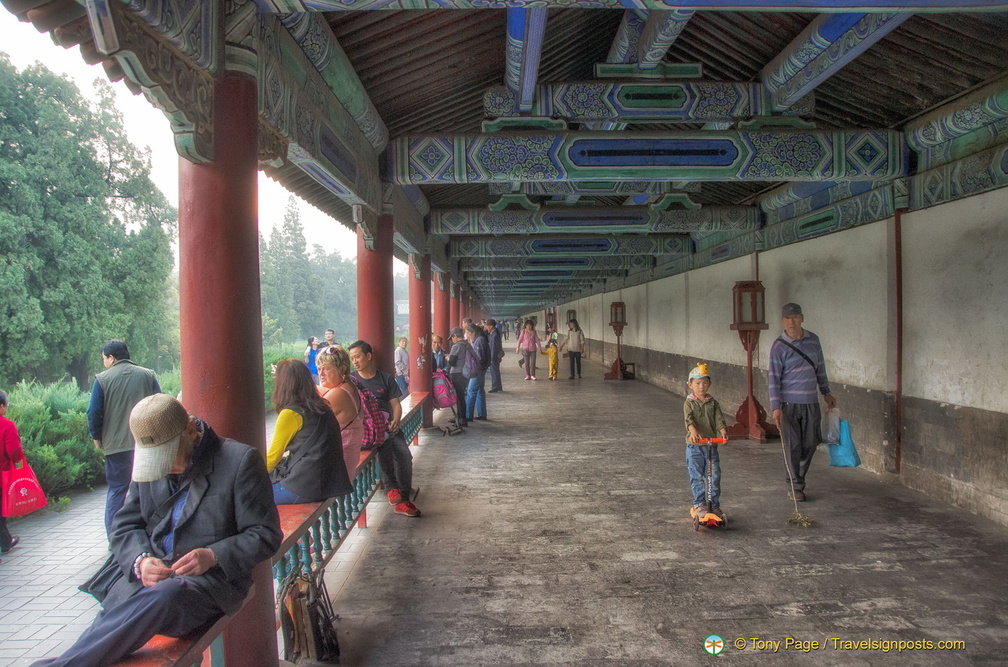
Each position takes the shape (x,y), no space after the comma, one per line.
(558,533)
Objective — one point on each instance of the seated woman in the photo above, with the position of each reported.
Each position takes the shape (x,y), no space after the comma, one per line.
(340,393)
(305,459)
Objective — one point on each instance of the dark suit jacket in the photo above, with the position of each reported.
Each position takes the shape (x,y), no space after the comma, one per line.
(229,508)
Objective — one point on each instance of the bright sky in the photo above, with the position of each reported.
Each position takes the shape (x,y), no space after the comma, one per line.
(147,126)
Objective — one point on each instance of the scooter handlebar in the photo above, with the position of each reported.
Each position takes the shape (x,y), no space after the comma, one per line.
(711,441)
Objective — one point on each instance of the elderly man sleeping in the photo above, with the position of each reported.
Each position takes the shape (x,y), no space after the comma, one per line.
(198,517)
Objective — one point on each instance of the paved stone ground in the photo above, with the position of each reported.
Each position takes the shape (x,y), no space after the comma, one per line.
(558,533)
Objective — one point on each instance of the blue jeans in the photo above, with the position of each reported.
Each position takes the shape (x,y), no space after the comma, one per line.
(403,384)
(696,463)
(118,474)
(282,496)
(476,397)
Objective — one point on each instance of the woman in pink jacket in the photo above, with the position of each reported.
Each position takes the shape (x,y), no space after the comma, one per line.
(529,346)
(10,453)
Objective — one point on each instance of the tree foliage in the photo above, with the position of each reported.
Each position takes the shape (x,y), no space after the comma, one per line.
(304,293)
(85,235)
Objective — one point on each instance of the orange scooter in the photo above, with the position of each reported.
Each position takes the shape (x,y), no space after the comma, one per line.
(709,518)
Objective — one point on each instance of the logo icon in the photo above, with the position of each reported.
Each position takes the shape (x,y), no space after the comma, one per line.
(714,645)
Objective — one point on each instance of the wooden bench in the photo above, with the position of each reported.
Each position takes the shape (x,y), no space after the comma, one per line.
(326,524)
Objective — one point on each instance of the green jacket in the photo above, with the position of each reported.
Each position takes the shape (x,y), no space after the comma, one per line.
(705,416)
(123,385)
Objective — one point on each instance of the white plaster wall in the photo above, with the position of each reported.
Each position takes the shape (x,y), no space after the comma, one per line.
(955,309)
(840,281)
(709,337)
(955,277)
(667,314)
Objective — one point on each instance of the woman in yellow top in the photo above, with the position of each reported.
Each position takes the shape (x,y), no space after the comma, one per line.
(341,394)
(305,458)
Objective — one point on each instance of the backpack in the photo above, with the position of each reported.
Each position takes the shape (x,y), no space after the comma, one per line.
(473,365)
(375,421)
(444,392)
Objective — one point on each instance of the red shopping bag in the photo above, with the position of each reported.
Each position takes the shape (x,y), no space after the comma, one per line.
(22,494)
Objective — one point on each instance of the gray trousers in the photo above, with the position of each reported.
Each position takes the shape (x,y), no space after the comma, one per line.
(801,430)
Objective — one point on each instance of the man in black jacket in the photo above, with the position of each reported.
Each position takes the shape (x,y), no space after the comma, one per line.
(199,515)
(496,354)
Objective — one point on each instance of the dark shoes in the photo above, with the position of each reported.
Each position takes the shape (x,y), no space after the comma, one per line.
(13,543)
(797,495)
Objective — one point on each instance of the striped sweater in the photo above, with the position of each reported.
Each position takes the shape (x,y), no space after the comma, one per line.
(792,379)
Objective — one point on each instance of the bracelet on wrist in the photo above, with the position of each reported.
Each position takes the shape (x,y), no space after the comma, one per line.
(136,563)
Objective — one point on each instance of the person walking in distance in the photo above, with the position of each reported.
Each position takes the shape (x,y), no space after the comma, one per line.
(797,373)
(575,343)
(529,345)
(115,391)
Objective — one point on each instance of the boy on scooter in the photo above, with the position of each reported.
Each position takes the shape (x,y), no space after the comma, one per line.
(704,420)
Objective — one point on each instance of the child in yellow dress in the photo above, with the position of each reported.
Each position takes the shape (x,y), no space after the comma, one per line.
(553,353)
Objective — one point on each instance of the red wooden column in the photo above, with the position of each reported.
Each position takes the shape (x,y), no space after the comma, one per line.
(421,359)
(375,303)
(455,308)
(463,305)
(218,304)
(442,306)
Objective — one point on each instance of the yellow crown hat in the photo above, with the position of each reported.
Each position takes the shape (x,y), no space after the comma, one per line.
(699,372)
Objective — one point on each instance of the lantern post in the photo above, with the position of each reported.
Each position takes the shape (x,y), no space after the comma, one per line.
(749,318)
(617,320)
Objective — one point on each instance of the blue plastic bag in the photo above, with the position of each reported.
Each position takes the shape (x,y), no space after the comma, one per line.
(844,455)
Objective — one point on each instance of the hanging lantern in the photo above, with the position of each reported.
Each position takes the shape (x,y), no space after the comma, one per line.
(748,313)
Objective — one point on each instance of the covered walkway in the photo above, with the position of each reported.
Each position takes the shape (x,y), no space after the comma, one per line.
(558,532)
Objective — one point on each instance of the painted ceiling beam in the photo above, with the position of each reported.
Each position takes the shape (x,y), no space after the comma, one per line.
(758,155)
(319,45)
(823,49)
(824,192)
(650,102)
(614,263)
(526,29)
(326,143)
(593,188)
(560,246)
(967,126)
(624,46)
(480,277)
(585,220)
(662,28)
(832,6)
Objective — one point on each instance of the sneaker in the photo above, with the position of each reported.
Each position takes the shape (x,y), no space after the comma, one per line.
(394,497)
(13,543)
(528,377)
(533,377)
(407,508)
(571,377)
(700,511)
(717,511)
(482,419)
(797,495)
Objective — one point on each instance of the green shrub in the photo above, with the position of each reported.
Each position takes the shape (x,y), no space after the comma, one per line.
(273,354)
(52,422)
(170,381)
